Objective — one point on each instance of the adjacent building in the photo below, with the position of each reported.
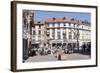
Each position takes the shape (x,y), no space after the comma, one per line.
(27,32)
(38,34)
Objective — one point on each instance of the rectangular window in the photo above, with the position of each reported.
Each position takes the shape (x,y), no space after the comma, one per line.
(33,32)
(58,31)
(64,36)
(64,33)
(39,32)
(53,33)
(74,25)
(69,24)
(58,24)
(53,25)
(39,26)
(70,35)
(74,35)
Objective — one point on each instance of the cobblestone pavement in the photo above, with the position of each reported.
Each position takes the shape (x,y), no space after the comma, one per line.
(74,56)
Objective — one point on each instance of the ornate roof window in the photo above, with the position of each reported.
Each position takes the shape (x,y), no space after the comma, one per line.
(64,18)
(72,19)
(54,18)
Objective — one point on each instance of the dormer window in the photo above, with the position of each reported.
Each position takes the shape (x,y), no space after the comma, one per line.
(64,24)
(64,18)
(72,19)
(38,21)
(54,18)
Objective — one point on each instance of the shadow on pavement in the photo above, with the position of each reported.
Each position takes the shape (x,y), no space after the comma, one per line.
(84,52)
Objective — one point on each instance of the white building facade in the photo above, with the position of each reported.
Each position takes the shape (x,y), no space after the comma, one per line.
(62,32)
(69,31)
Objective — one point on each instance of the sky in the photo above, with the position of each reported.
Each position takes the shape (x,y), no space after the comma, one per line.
(42,15)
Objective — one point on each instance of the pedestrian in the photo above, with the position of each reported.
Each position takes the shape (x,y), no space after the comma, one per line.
(59,57)
(59,54)
(84,47)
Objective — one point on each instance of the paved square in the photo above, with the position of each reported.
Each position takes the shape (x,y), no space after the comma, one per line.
(74,56)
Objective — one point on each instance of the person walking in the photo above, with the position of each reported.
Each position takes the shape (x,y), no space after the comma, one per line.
(60,53)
